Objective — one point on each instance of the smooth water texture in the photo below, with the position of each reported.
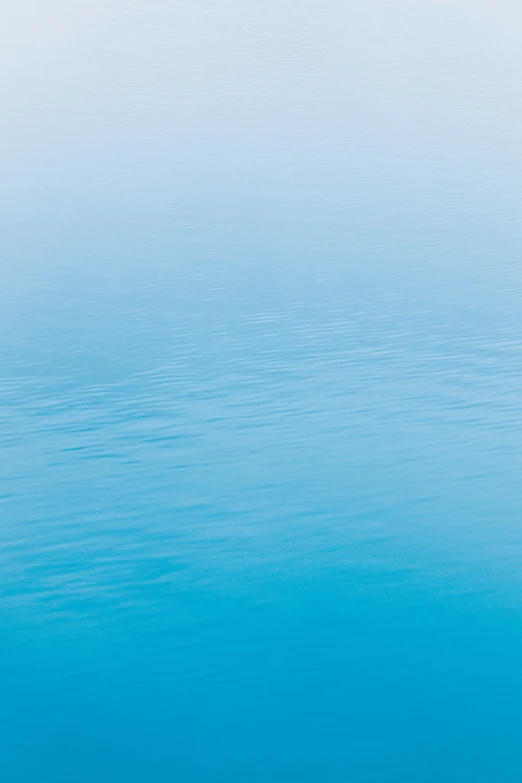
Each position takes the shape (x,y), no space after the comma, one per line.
(260,342)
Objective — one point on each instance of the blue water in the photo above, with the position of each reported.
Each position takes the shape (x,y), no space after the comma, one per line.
(261,351)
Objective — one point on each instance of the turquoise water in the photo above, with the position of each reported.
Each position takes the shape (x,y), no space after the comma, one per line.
(260,343)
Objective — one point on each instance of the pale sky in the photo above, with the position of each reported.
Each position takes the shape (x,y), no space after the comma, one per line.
(157,98)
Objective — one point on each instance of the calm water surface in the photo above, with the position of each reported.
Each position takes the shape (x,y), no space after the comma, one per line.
(260,342)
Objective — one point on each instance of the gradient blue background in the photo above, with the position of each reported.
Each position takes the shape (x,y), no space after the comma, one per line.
(260,343)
